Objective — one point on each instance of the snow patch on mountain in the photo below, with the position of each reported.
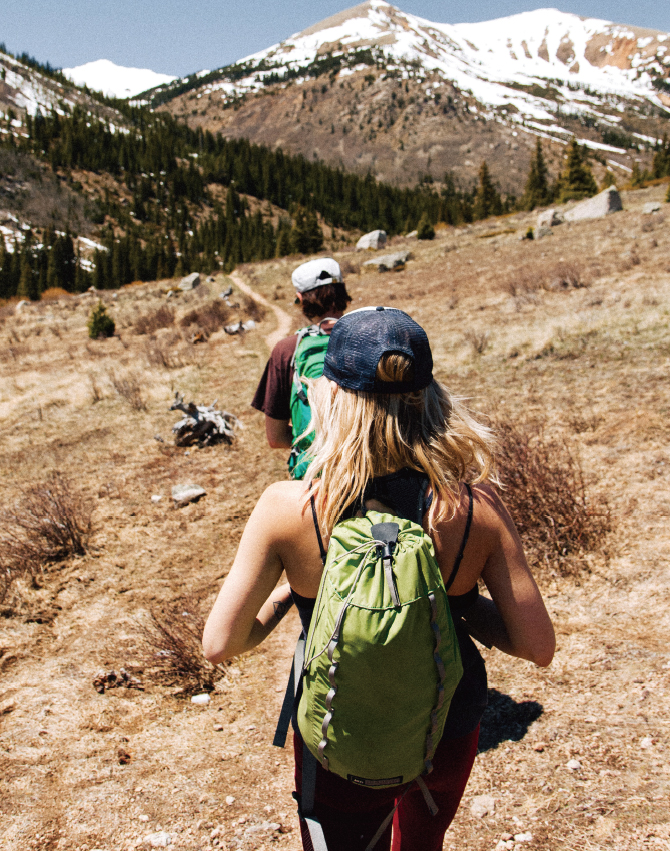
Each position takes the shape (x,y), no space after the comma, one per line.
(116,80)
(526,62)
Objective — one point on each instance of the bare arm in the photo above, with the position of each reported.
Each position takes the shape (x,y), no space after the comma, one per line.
(249,605)
(515,620)
(278,433)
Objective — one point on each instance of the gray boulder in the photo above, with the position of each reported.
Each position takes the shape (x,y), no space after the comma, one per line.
(597,207)
(183,494)
(373,240)
(651,207)
(189,282)
(548,218)
(389,262)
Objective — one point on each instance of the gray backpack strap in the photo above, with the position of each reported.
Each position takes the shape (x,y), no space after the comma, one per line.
(284,721)
(306,809)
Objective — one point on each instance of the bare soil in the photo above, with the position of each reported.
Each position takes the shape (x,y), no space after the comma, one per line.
(81,770)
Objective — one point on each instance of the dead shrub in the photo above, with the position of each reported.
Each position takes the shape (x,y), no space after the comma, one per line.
(566,276)
(543,487)
(171,646)
(479,340)
(348,267)
(210,318)
(151,322)
(50,522)
(96,389)
(163,351)
(54,294)
(253,309)
(129,387)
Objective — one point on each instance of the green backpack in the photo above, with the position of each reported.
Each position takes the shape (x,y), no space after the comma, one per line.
(382,659)
(307,362)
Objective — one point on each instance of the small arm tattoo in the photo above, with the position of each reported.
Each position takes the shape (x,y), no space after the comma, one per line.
(281,608)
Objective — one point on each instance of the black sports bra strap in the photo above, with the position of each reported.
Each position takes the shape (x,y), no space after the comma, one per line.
(466,535)
(322,549)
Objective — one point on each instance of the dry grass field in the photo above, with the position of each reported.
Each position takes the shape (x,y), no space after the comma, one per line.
(567,334)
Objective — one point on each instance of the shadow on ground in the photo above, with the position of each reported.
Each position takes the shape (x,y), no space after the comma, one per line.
(506,720)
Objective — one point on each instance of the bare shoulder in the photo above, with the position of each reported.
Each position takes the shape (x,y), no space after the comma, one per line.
(490,510)
(283,504)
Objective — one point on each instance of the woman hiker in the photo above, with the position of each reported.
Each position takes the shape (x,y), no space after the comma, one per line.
(389,438)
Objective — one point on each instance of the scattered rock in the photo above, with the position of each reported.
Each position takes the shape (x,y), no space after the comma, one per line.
(6,708)
(412,234)
(506,837)
(201,699)
(239,327)
(227,292)
(548,219)
(523,837)
(541,232)
(647,742)
(574,765)
(202,424)
(482,805)
(183,494)
(389,262)
(597,207)
(651,207)
(158,840)
(211,279)
(144,818)
(156,497)
(230,800)
(503,845)
(111,679)
(124,756)
(158,438)
(539,746)
(218,728)
(19,307)
(373,240)
(189,282)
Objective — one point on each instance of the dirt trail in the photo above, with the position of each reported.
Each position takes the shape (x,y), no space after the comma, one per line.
(283,319)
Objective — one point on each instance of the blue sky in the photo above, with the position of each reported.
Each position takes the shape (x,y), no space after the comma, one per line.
(177,37)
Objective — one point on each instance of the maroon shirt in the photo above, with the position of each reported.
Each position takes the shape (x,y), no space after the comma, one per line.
(273,394)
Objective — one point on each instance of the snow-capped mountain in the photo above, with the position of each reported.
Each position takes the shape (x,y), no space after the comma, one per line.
(502,63)
(115,80)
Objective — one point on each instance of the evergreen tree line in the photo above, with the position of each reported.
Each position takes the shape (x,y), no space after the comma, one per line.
(575,182)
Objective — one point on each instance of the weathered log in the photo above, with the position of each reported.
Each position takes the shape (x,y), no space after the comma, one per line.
(203,424)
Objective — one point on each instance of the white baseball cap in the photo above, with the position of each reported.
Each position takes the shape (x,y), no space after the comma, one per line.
(316,273)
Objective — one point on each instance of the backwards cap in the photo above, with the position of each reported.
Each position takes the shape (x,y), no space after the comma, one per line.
(360,339)
(316,273)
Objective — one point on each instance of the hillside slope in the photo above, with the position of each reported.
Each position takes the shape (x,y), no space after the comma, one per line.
(376,89)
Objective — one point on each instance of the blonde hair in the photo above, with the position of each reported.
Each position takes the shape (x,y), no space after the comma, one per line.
(360,436)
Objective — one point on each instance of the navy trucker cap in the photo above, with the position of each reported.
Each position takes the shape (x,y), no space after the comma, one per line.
(358,341)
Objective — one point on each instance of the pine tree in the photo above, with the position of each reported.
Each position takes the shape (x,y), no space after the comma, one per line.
(537,192)
(487,199)
(425,229)
(576,180)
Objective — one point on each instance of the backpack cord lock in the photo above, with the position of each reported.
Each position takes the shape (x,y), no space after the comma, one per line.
(387,534)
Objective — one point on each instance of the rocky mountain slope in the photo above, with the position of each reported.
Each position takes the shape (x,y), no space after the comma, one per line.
(374,88)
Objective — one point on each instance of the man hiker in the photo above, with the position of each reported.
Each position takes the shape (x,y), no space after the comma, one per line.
(280,394)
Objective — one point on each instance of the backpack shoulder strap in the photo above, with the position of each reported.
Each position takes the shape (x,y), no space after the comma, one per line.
(466,535)
(322,549)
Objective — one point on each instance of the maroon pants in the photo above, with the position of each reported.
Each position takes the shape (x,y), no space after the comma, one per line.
(351,815)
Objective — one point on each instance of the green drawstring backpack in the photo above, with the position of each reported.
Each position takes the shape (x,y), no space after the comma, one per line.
(381,661)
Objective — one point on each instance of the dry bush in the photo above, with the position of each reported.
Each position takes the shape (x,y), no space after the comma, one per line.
(51,521)
(96,389)
(479,340)
(348,267)
(253,309)
(172,649)
(54,294)
(151,322)
(162,352)
(210,318)
(129,387)
(525,283)
(544,489)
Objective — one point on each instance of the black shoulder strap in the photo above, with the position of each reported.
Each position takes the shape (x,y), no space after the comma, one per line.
(466,535)
(322,549)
